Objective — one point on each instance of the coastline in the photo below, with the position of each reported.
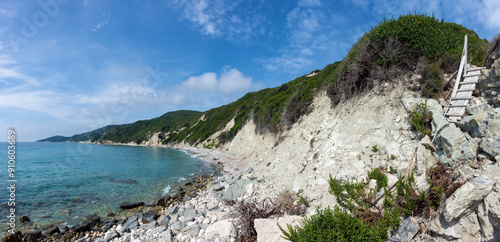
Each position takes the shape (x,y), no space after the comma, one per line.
(205,201)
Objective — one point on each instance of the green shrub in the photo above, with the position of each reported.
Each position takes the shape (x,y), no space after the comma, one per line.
(375,148)
(331,225)
(302,199)
(381,178)
(421,119)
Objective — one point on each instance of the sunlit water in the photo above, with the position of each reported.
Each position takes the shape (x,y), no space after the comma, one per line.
(64,181)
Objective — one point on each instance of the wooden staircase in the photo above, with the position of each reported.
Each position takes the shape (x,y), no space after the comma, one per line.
(465,84)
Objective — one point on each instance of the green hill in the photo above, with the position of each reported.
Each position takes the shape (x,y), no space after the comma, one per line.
(391,48)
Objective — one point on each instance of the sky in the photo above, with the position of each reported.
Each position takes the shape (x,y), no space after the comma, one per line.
(71,66)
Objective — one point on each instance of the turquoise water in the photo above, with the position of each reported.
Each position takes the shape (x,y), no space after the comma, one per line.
(63,181)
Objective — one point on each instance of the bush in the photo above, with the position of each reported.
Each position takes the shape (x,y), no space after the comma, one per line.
(381,178)
(421,119)
(330,225)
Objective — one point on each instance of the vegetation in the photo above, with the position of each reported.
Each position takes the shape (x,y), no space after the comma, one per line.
(357,217)
(389,49)
(421,119)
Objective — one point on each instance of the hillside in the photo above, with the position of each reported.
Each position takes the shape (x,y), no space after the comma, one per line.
(391,48)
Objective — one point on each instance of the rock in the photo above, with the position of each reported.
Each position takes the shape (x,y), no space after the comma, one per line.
(408,228)
(478,108)
(424,157)
(487,229)
(12,237)
(236,190)
(451,137)
(410,104)
(212,205)
(493,128)
(32,236)
(422,183)
(162,201)
(151,225)
(52,230)
(476,124)
(149,216)
(159,229)
(111,234)
(192,230)
(177,226)
(463,173)
(268,231)
(466,152)
(465,229)
(24,219)
(190,213)
(164,219)
(130,205)
(217,187)
(172,210)
(131,223)
(491,145)
(466,198)
(223,229)
(249,170)
(166,236)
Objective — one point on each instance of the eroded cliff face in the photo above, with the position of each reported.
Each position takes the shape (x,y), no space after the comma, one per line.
(368,131)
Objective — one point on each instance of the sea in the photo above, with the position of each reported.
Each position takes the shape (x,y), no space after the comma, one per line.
(66,181)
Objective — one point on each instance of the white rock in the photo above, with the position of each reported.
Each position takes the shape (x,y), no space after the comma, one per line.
(467,198)
(220,229)
(267,230)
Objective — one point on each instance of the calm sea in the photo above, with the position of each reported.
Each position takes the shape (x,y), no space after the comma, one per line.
(64,181)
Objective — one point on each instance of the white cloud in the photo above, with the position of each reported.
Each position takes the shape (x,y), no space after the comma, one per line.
(7,10)
(230,81)
(103,22)
(234,20)
(309,3)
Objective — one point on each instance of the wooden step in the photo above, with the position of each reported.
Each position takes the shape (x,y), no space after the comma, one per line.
(458,105)
(461,98)
(472,74)
(468,82)
(466,90)
(474,69)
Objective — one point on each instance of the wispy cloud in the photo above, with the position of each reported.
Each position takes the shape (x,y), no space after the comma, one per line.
(233,20)
(7,10)
(103,22)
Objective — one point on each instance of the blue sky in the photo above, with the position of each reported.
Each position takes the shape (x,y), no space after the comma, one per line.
(71,66)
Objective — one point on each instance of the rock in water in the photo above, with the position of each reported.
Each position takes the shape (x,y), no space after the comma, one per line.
(130,205)
(24,219)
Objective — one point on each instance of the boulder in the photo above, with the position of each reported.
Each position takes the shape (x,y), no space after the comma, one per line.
(12,237)
(111,234)
(267,230)
(192,230)
(491,145)
(424,156)
(408,228)
(476,124)
(464,229)
(52,230)
(223,229)
(478,108)
(451,137)
(131,223)
(166,236)
(493,128)
(466,152)
(237,189)
(130,205)
(466,198)
(24,219)
(32,236)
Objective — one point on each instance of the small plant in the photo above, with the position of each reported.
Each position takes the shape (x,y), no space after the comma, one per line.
(393,157)
(375,148)
(381,178)
(302,199)
(392,170)
(359,157)
(421,119)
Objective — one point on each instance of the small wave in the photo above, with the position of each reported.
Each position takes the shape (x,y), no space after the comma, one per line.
(166,190)
(181,179)
(191,174)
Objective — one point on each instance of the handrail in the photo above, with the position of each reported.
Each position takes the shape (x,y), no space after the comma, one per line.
(462,68)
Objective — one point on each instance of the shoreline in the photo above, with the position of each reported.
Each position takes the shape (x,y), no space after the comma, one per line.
(226,167)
